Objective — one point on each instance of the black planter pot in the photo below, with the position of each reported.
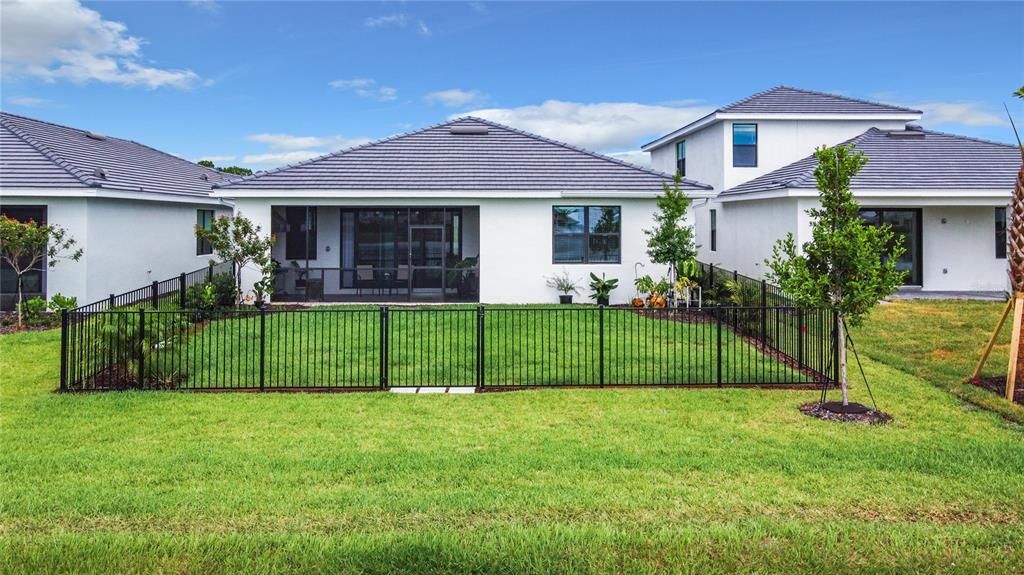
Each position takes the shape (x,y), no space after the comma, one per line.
(602,300)
(565,298)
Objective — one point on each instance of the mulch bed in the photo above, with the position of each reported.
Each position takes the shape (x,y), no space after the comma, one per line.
(9,323)
(867,417)
(997,385)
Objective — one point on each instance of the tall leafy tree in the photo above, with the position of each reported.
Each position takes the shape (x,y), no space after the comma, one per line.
(671,241)
(237,240)
(848,265)
(24,246)
(236,170)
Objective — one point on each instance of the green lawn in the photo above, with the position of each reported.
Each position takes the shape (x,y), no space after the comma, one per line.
(522,345)
(547,481)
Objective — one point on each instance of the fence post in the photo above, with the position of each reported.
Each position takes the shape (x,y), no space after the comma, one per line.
(181,291)
(764,312)
(155,297)
(142,346)
(383,347)
(800,337)
(480,347)
(263,346)
(718,356)
(600,344)
(63,350)
(110,302)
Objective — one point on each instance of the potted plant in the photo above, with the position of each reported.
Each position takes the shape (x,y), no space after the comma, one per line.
(601,288)
(644,285)
(657,294)
(565,285)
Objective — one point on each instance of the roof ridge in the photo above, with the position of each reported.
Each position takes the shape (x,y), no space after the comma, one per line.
(851,98)
(592,153)
(49,154)
(974,138)
(623,163)
(722,109)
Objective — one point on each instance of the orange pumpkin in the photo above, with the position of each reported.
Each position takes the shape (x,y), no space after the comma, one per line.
(638,302)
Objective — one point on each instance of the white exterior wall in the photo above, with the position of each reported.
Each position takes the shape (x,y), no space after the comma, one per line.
(515,242)
(747,232)
(705,156)
(126,243)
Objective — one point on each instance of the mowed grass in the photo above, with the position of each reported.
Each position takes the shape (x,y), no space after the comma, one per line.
(438,346)
(547,481)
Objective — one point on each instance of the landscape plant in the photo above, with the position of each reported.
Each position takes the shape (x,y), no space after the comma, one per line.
(848,265)
(24,246)
(565,285)
(237,240)
(31,311)
(601,288)
(59,303)
(671,241)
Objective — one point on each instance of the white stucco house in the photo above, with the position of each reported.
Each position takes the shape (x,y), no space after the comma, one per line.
(131,208)
(464,211)
(946,195)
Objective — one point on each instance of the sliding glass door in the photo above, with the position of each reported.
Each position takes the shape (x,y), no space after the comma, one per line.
(906,224)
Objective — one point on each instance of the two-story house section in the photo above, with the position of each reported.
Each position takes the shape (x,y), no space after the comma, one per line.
(946,195)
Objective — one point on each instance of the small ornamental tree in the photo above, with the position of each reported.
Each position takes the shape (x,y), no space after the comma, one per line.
(848,265)
(237,240)
(24,245)
(671,240)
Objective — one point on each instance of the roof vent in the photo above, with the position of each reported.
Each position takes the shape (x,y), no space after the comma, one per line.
(915,127)
(204,177)
(100,173)
(467,129)
(95,136)
(911,131)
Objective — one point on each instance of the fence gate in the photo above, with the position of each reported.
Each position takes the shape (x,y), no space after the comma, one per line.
(432,347)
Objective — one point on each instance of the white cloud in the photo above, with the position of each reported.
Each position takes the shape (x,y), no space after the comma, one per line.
(615,126)
(27,101)
(633,157)
(453,98)
(208,6)
(396,19)
(962,113)
(216,159)
(63,40)
(478,7)
(289,149)
(366,88)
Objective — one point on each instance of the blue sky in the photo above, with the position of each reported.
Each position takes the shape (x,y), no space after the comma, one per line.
(265,83)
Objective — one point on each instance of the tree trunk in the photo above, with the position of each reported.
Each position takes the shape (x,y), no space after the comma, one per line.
(1016,255)
(843,380)
(18,306)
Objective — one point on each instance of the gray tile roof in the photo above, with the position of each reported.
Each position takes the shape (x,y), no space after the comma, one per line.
(38,154)
(912,159)
(787,100)
(467,154)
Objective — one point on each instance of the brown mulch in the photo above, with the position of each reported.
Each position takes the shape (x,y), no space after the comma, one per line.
(870,417)
(997,385)
(9,323)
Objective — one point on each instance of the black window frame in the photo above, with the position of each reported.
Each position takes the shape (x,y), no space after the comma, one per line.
(714,230)
(300,250)
(735,145)
(203,246)
(8,298)
(586,235)
(1001,225)
(681,161)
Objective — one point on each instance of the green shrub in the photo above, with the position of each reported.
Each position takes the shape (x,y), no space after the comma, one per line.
(32,311)
(59,303)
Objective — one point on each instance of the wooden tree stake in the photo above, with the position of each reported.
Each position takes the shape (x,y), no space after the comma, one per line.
(1011,374)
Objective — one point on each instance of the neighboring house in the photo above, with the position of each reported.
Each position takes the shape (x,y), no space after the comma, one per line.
(945,194)
(132,209)
(468,210)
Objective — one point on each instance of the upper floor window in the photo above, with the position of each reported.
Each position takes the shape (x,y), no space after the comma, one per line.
(1001,233)
(681,158)
(586,234)
(204,220)
(744,145)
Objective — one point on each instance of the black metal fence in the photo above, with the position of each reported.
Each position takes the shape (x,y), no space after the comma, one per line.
(747,291)
(151,295)
(486,347)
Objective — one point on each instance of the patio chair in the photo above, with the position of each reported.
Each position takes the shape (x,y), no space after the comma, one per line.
(364,278)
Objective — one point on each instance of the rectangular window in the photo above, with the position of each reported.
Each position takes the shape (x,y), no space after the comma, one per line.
(744,145)
(33,282)
(1001,233)
(681,158)
(586,234)
(905,223)
(204,221)
(714,230)
(300,233)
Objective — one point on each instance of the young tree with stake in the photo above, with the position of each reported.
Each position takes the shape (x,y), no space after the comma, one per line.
(23,245)
(848,265)
(237,240)
(671,240)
